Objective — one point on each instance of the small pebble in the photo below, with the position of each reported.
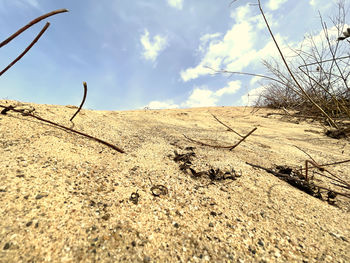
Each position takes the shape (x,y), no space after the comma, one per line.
(106,217)
(7,246)
(39,196)
(29,223)
(252,250)
(261,243)
(146,259)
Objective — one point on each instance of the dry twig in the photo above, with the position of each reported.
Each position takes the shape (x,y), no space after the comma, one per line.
(8,108)
(82,102)
(228,127)
(231,147)
(6,41)
(224,147)
(27,49)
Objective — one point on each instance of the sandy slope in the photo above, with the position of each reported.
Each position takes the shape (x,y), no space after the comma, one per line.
(65,198)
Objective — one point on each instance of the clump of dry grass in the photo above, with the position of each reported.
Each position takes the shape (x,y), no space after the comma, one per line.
(315,81)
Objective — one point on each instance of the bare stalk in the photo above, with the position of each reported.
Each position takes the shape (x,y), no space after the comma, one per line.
(6,41)
(82,102)
(27,49)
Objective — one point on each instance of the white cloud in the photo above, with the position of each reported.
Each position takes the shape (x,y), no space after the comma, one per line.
(254,80)
(312,2)
(241,13)
(205,39)
(193,73)
(34,3)
(151,49)
(322,5)
(238,48)
(234,51)
(201,97)
(237,41)
(26,3)
(178,4)
(275,4)
(231,88)
(252,96)
(168,104)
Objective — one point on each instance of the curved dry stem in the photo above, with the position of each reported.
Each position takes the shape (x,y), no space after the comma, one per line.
(27,49)
(82,102)
(6,41)
(65,128)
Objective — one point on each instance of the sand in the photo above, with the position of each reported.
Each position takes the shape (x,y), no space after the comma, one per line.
(66,198)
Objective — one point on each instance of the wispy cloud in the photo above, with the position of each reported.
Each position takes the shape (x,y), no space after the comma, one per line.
(275,4)
(321,5)
(33,3)
(204,97)
(205,39)
(25,3)
(231,88)
(252,96)
(178,4)
(168,104)
(231,50)
(240,47)
(200,96)
(152,48)
(312,2)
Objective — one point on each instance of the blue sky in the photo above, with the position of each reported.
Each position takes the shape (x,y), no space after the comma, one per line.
(147,53)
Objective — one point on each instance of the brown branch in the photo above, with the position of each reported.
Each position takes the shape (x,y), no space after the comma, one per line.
(305,153)
(218,146)
(66,128)
(81,104)
(27,49)
(6,41)
(226,125)
(234,146)
(205,144)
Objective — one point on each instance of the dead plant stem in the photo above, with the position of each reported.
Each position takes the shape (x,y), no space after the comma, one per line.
(6,41)
(27,49)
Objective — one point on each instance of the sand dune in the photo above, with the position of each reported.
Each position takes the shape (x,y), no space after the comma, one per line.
(66,198)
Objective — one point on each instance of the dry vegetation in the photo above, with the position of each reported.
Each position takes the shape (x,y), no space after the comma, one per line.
(316,83)
(313,81)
